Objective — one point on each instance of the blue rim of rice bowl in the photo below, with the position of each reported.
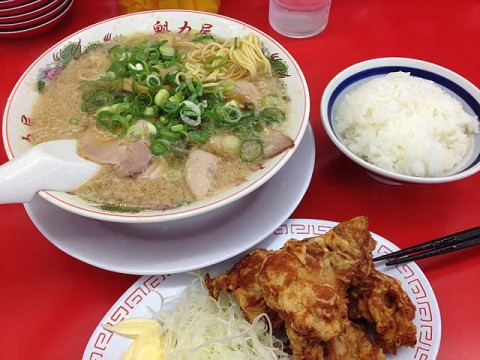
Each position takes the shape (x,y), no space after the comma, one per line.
(421,73)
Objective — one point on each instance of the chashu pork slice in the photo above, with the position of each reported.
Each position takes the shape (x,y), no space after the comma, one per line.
(275,143)
(127,158)
(200,172)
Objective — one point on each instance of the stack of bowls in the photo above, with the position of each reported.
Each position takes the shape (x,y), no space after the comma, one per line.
(22,18)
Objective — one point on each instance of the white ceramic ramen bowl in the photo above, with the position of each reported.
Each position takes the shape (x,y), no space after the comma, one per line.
(357,74)
(18,109)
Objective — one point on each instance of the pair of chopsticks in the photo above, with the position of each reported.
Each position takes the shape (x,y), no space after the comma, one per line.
(443,245)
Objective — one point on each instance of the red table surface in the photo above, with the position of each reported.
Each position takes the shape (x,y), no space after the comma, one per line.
(51,302)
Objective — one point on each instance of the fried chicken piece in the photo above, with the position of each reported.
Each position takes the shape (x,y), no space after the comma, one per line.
(306,281)
(381,301)
(353,344)
(305,294)
(350,247)
(304,348)
(241,281)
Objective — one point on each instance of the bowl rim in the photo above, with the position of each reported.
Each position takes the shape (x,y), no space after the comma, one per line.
(182,213)
(469,90)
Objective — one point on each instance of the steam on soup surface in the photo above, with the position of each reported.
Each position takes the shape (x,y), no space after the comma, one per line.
(172,118)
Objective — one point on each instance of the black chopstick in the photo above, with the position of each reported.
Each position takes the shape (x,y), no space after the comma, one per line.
(443,245)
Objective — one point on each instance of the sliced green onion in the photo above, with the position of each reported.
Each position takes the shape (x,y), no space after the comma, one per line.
(173,175)
(251,150)
(228,86)
(140,130)
(146,99)
(272,115)
(181,87)
(116,84)
(152,54)
(159,147)
(141,77)
(148,92)
(190,113)
(161,43)
(167,51)
(170,107)
(231,143)
(193,97)
(119,124)
(150,111)
(201,137)
(136,67)
(177,128)
(136,108)
(170,77)
(139,54)
(118,69)
(215,62)
(270,101)
(172,63)
(231,113)
(119,53)
(100,98)
(154,67)
(153,80)
(103,118)
(167,134)
(224,87)
(161,97)
(202,37)
(73,121)
(177,98)
(117,108)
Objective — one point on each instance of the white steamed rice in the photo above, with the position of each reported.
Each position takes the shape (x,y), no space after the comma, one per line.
(407,125)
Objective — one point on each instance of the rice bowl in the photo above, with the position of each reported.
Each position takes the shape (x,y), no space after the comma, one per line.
(407,125)
(428,169)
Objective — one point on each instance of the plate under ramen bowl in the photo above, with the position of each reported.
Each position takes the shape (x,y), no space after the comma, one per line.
(17,114)
(453,84)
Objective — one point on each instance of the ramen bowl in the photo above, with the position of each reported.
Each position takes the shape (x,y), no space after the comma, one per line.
(353,77)
(18,112)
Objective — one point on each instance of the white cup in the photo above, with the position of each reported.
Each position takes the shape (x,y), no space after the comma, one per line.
(299,18)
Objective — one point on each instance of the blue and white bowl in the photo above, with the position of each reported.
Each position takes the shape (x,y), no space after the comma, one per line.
(354,76)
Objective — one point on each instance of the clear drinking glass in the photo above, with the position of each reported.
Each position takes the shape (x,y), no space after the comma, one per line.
(299,18)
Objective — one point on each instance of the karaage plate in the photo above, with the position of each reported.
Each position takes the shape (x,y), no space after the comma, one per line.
(141,296)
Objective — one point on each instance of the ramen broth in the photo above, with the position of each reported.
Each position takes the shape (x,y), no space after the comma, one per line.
(162,184)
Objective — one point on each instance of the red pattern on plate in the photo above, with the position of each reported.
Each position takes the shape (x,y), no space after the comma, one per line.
(133,298)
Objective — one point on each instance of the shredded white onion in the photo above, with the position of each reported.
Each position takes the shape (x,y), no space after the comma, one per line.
(198,327)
